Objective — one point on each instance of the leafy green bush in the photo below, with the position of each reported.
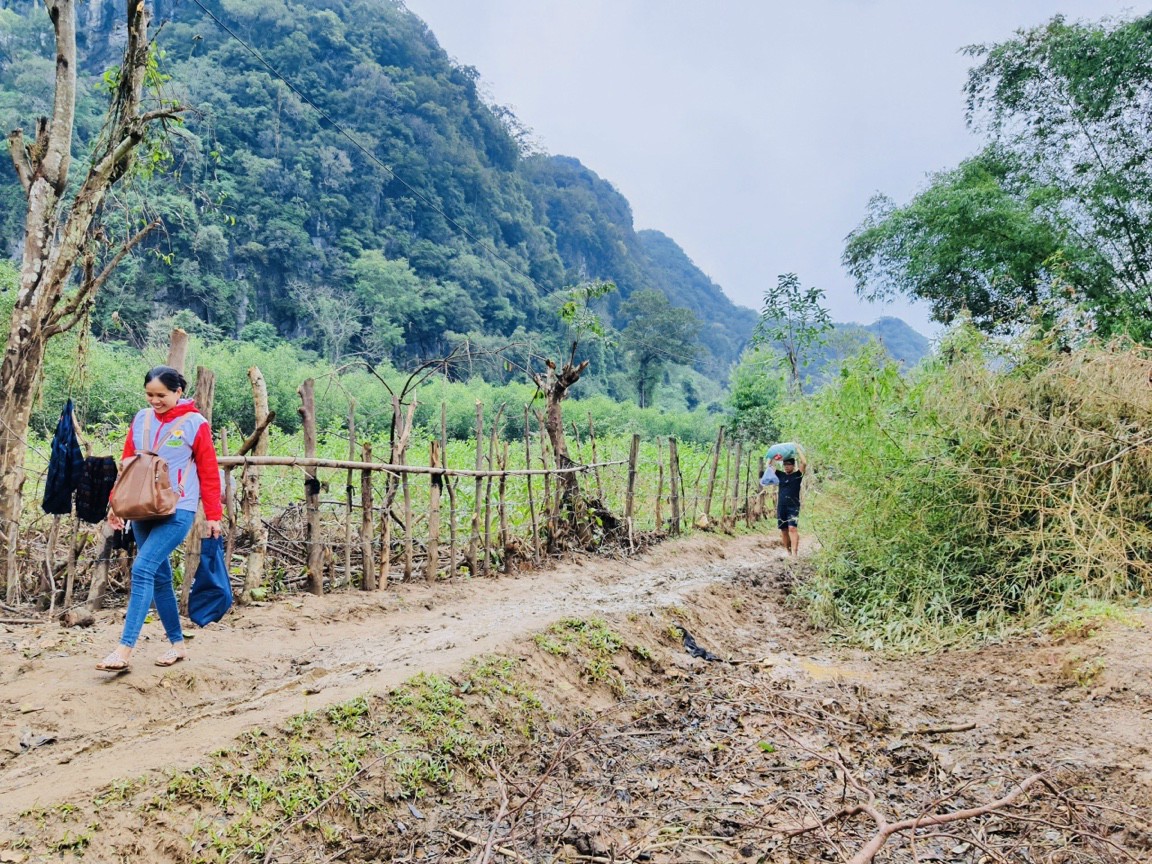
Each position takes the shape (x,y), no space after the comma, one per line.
(992,486)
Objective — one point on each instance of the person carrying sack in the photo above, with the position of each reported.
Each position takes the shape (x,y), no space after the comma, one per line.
(174,430)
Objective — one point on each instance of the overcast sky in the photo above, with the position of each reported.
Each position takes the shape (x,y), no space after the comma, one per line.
(752,132)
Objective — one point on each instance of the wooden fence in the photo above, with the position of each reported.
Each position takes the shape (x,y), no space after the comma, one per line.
(408,517)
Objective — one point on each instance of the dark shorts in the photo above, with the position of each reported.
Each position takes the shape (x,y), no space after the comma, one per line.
(787,518)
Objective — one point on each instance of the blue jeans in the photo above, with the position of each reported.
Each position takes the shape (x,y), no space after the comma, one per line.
(156,539)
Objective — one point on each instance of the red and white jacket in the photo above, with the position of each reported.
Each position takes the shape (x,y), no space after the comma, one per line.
(189,452)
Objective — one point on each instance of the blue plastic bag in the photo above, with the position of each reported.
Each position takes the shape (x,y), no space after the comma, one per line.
(211,593)
(769,477)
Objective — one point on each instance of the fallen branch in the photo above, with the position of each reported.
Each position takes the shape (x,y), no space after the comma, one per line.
(887,829)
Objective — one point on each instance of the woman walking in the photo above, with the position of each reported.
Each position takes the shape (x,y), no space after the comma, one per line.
(181,435)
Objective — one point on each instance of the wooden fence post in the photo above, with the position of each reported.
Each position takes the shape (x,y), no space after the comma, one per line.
(630,492)
(348,493)
(492,439)
(177,349)
(761,491)
(595,459)
(368,566)
(712,476)
(474,540)
(406,492)
(250,489)
(674,483)
(205,392)
(451,484)
(528,479)
(748,492)
(312,539)
(659,516)
(437,482)
(502,509)
(228,529)
(389,495)
(736,486)
(550,506)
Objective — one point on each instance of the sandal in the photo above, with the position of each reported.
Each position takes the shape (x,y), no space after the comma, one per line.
(171,657)
(113,663)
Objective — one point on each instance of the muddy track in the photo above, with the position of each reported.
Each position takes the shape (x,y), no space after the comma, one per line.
(266,663)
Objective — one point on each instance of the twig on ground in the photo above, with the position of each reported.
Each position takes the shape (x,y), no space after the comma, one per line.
(476,841)
(941,730)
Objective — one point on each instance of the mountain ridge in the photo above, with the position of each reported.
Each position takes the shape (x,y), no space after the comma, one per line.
(440,225)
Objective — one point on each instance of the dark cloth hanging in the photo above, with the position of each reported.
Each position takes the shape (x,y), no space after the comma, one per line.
(96,482)
(65,466)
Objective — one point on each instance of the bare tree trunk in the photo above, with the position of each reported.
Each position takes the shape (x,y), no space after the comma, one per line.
(59,234)
(555,384)
(99,584)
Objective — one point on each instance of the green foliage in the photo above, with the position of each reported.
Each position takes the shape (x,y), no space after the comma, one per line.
(440,228)
(655,334)
(973,243)
(1051,221)
(576,313)
(793,320)
(757,391)
(591,644)
(989,486)
(724,328)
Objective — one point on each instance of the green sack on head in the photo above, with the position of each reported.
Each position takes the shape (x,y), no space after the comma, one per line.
(777,453)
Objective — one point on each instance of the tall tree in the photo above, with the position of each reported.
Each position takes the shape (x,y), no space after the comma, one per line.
(1057,210)
(978,242)
(1070,102)
(63,234)
(655,334)
(792,320)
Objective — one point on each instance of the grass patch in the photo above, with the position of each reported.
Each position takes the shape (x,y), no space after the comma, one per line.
(590,644)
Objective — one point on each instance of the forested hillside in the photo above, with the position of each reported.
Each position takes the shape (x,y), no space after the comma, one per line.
(427,222)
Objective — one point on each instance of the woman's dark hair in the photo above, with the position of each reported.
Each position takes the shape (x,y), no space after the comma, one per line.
(168,376)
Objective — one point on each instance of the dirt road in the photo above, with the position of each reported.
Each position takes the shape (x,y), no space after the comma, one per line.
(1080,698)
(265,663)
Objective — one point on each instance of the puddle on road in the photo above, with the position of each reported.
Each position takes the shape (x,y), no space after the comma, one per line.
(820,671)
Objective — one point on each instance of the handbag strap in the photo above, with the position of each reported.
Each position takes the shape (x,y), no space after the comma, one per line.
(155,448)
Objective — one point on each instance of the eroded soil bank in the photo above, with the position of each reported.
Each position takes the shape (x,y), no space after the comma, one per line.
(634,751)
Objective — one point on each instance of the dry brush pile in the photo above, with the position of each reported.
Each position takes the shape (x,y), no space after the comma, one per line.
(990,487)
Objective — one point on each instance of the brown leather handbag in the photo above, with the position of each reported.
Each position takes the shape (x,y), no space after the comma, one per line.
(143,490)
